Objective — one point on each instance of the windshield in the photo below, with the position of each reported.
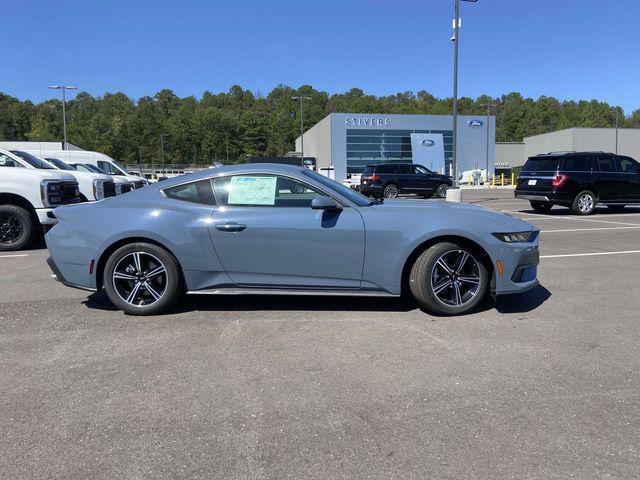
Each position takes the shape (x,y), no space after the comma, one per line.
(121,168)
(59,163)
(92,168)
(347,192)
(35,162)
(541,164)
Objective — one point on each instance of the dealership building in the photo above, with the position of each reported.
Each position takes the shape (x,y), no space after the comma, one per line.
(345,143)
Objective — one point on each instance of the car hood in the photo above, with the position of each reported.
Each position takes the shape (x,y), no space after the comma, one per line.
(490,219)
(90,175)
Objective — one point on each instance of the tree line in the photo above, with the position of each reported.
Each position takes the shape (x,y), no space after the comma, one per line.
(232,126)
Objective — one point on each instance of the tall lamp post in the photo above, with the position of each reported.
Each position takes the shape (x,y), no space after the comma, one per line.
(489,107)
(456,40)
(617,126)
(162,135)
(64,89)
(301,98)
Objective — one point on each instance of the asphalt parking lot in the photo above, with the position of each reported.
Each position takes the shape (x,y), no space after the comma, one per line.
(539,385)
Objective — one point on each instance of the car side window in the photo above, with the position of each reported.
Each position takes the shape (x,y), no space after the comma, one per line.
(387,169)
(606,163)
(263,190)
(577,163)
(420,169)
(405,169)
(107,167)
(627,165)
(5,161)
(194,192)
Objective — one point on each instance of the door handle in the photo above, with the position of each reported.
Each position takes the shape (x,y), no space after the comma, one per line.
(230,227)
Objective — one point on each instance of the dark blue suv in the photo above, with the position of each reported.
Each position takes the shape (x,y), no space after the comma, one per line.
(391,179)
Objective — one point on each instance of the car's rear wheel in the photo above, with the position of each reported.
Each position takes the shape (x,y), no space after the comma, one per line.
(391,191)
(142,279)
(16,228)
(616,208)
(584,203)
(448,278)
(441,191)
(541,207)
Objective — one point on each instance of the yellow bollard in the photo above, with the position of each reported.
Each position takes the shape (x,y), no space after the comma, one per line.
(469,182)
(502,179)
(513,179)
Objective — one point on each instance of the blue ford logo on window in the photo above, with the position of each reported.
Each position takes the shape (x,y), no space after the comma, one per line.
(475,123)
(428,142)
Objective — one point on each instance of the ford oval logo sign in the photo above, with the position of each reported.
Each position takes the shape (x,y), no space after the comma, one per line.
(475,123)
(428,142)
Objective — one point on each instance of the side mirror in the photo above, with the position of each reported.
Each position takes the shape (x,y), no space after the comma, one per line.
(324,203)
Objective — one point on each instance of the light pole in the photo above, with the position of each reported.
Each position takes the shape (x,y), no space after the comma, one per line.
(456,40)
(489,107)
(617,125)
(162,135)
(64,89)
(301,98)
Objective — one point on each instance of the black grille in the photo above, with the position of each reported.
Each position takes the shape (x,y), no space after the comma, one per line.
(125,187)
(70,193)
(138,184)
(109,189)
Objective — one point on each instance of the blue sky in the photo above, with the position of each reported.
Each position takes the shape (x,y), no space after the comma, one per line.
(569,49)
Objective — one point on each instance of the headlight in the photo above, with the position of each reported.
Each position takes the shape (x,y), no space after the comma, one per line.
(98,189)
(51,193)
(515,237)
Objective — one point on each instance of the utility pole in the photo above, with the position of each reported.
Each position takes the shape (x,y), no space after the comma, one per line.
(227,141)
(456,40)
(617,126)
(489,107)
(64,89)
(301,98)
(162,135)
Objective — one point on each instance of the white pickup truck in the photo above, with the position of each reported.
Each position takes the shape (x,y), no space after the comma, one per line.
(28,196)
(93,186)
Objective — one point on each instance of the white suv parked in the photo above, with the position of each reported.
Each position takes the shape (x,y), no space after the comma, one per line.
(28,196)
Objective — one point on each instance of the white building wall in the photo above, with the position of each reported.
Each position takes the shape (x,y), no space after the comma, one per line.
(317,143)
(510,153)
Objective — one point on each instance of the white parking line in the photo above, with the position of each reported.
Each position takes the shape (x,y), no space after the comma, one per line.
(14,256)
(588,254)
(577,219)
(589,229)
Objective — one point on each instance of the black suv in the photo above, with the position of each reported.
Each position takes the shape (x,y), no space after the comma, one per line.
(390,179)
(580,181)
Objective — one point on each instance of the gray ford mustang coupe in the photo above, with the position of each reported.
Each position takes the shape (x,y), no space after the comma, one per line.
(278,229)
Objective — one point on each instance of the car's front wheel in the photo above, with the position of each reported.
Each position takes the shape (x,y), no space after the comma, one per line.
(142,279)
(391,191)
(16,228)
(448,279)
(584,203)
(441,191)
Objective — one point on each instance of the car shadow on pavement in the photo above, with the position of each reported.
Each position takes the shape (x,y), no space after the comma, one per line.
(190,303)
(522,302)
(516,303)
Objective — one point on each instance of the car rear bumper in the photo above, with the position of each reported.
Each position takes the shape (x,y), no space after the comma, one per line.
(59,277)
(554,197)
(371,189)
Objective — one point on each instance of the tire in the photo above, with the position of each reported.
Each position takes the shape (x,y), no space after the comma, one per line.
(584,203)
(154,294)
(541,207)
(441,191)
(16,228)
(428,276)
(391,191)
(616,208)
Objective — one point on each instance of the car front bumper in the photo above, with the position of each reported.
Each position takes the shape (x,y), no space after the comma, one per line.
(518,264)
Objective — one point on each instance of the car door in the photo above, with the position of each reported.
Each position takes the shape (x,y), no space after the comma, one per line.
(607,179)
(630,178)
(424,178)
(266,234)
(406,178)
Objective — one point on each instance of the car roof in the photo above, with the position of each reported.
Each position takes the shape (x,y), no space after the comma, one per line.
(570,152)
(275,168)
